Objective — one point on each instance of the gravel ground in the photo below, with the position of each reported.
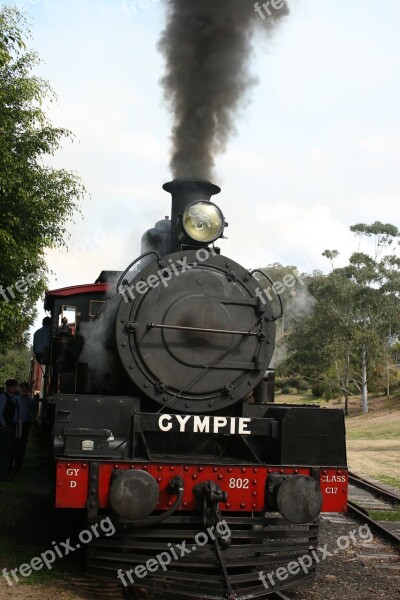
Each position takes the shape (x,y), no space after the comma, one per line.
(350,574)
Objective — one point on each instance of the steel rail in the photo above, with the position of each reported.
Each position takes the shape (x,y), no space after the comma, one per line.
(362,514)
(374,489)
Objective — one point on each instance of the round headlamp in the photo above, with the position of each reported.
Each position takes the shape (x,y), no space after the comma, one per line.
(203,222)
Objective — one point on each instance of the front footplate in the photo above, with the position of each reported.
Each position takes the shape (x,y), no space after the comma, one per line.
(193,565)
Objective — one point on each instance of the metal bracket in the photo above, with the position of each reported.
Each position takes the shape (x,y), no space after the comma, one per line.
(92,504)
(273,484)
(210,495)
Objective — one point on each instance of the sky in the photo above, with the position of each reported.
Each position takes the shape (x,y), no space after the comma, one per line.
(317,148)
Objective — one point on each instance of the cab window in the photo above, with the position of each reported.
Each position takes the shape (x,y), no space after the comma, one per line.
(67,319)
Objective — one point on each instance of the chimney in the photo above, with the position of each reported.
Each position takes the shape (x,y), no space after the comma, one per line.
(184,192)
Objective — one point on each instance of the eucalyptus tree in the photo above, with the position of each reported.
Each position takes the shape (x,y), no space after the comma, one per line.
(356,311)
(36,200)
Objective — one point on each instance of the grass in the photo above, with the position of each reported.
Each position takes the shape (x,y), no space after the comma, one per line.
(381,423)
(26,521)
(373,440)
(385,515)
(393,481)
(305,398)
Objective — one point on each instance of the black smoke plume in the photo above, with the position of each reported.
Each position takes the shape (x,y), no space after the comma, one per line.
(207,45)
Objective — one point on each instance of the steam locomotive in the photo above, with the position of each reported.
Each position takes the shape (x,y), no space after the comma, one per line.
(161,409)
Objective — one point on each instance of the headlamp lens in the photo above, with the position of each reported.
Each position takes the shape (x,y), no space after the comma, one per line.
(203,222)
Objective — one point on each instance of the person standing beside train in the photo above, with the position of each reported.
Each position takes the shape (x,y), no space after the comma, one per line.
(8,418)
(25,410)
(41,340)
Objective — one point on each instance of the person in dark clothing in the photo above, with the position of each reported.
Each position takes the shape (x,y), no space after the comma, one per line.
(65,329)
(25,405)
(41,339)
(8,417)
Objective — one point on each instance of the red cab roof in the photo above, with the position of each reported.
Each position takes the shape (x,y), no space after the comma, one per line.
(87,288)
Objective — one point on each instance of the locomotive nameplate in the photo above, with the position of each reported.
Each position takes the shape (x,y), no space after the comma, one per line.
(204,424)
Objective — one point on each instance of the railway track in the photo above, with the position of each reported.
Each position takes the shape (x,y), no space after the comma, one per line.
(367,497)
(380,492)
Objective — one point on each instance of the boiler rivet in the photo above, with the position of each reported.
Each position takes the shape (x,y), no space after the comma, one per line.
(194,476)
